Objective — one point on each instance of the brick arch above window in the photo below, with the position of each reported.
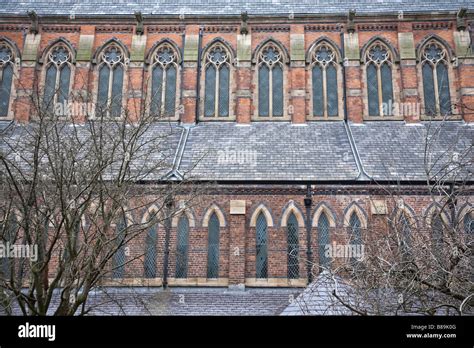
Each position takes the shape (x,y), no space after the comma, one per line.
(261,209)
(214,208)
(433,210)
(321,208)
(9,65)
(292,208)
(184,212)
(355,208)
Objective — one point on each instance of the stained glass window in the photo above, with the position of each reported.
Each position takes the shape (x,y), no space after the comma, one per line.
(6,77)
(293,247)
(379,80)
(217,82)
(164,74)
(270,82)
(261,247)
(213,247)
(323,240)
(111,74)
(57,78)
(324,80)
(182,247)
(435,80)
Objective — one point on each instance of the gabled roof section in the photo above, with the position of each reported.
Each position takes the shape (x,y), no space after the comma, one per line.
(225,7)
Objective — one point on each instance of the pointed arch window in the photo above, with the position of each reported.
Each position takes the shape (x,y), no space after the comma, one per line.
(270,81)
(324,81)
(217,81)
(379,64)
(434,67)
(405,233)
(261,247)
(323,240)
(182,247)
(6,77)
(151,252)
(119,259)
(292,230)
(57,77)
(110,85)
(437,233)
(164,71)
(213,247)
(10,230)
(468,222)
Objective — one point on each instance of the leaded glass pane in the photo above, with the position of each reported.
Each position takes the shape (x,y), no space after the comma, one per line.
(118,266)
(428,90)
(263,90)
(355,235)
(318,100)
(213,247)
(10,232)
(443,89)
(387,89)
(261,243)
(331,87)
(277,93)
(405,230)
(373,90)
(50,87)
(5,89)
(437,229)
(117,86)
(293,247)
(156,86)
(210,91)
(182,247)
(224,91)
(323,240)
(170,97)
(102,95)
(468,222)
(64,79)
(150,253)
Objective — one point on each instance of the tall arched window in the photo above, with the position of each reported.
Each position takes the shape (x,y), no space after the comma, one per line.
(293,247)
(437,233)
(57,80)
(379,60)
(323,240)
(119,259)
(404,227)
(324,81)
(6,77)
(164,71)
(110,86)
(213,247)
(151,252)
(468,222)
(182,247)
(217,81)
(10,229)
(434,66)
(261,247)
(270,81)
(355,234)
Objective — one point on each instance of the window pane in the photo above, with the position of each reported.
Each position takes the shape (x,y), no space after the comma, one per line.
(277,81)
(318,102)
(293,247)
(213,247)
(372,90)
(210,91)
(118,265)
(156,85)
(387,88)
(224,91)
(117,86)
(323,240)
(10,234)
(468,224)
(331,87)
(182,248)
(261,243)
(5,89)
(443,89)
(354,223)
(103,92)
(170,98)
(263,90)
(64,79)
(405,231)
(428,90)
(50,88)
(150,253)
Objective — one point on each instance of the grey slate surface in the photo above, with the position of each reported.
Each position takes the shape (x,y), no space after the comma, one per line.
(226,7)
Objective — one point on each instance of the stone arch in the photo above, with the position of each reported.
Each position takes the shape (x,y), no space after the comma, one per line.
(281,47)
(385,42)
(354,207)
(52,44)
(186,212)
(214,208)
(219,40)
(439,40)
(328,41)
(157,44)
(261,208)
(318,210)
(113,40)
(292,207)
(431,210)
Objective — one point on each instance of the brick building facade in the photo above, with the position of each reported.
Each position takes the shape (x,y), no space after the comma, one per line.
(298,89)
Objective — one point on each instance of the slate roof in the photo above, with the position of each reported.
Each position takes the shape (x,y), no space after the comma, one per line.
(316,151)
(227,7)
